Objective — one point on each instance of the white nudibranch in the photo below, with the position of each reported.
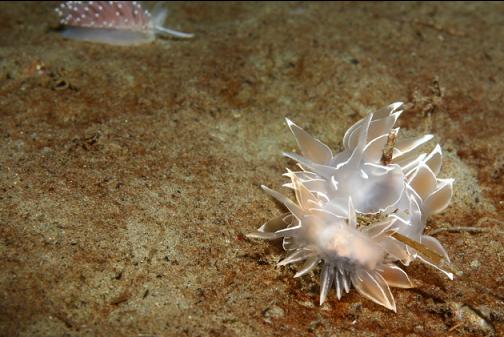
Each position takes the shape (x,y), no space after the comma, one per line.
(122,23)
(362,210)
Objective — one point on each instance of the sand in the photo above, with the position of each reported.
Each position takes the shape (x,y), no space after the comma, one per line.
(129,176)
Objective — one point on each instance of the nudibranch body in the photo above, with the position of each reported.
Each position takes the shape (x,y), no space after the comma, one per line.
(113,22)
(362,210)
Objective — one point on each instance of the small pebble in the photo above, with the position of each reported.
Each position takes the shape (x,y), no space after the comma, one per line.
(475,264)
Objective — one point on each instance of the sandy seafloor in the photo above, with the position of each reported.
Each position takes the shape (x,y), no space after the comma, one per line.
(130,175)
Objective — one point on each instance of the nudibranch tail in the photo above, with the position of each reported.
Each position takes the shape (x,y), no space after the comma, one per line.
(168,31)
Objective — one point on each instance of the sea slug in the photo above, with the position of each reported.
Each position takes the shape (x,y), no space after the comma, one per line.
(362,210)
(113,22)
